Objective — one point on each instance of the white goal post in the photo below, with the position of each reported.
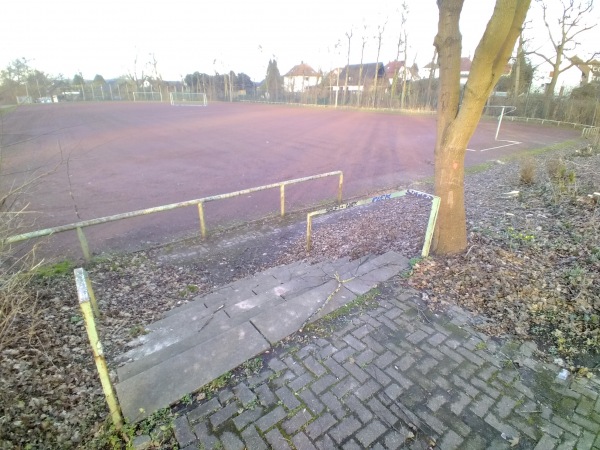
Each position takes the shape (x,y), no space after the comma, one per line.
(188,99)
(147,96)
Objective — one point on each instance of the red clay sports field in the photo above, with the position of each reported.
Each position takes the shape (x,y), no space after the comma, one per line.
(101,159)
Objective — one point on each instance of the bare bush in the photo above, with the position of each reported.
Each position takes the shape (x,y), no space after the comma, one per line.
(18,305)
(556,168)
(18,301)
(527,175)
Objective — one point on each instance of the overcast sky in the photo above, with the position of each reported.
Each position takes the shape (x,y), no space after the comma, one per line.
(67,36)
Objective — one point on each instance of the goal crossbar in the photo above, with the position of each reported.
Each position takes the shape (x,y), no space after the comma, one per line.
(147,96)
(188,99)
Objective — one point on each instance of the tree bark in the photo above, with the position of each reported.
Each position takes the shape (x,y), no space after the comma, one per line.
(457,122)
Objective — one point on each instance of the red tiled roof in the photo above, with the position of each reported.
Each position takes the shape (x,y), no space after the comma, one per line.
(302,70)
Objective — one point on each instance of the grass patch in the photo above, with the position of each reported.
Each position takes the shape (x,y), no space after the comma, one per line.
(5,110)
(478,168)
(359,304)
(56,270)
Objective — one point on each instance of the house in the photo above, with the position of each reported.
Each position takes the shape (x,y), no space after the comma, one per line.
(300,78)
(465,70)
(359,76)
(576,73)
(590,70)
(398,70)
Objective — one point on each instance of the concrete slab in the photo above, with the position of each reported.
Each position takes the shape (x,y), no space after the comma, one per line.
(360,286)
(349,269)
(252,302)
(388,258)
(185,318)
(383,273)
(269,305)
(166,346)
(256,284)
(277,324)
(198,303)
(341,298)
(330,267)
(300,285)
(162,385)
(290,271)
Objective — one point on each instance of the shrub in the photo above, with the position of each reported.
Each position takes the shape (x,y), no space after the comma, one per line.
(527,171)
(18,301)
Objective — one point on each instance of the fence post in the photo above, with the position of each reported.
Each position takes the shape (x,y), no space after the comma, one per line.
(435,206)
(308,231)
(282,198)
(202,224)
(340,185)
(84,245)
(85,295)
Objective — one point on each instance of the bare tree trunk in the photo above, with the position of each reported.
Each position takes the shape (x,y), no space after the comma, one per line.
(517,86)
(403,95)
(457,122)
(380,30)
(360,71)
(431,77)
(395,79)
(349,36)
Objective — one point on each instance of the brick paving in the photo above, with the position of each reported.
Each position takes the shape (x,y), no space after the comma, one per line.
(399,376)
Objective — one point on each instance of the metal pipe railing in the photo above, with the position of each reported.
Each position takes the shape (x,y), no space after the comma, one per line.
(196,202)
(89,309)
(435,206)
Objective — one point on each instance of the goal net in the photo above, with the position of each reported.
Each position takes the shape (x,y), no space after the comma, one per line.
(147,97)
(188,99)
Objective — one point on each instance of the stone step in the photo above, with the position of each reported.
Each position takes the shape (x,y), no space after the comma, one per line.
(211,315)
(166,383)
(188,349)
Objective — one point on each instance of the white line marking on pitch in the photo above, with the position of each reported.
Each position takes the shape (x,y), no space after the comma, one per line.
(499,146)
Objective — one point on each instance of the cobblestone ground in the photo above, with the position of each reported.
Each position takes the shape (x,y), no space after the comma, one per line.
(398,376)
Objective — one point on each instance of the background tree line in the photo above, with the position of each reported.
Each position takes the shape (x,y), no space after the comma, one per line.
(566,28)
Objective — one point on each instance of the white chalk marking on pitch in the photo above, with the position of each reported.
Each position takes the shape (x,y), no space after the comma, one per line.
(501,146)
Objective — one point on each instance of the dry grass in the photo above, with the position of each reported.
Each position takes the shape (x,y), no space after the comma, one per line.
(527,174)
(556,168)
(18,301)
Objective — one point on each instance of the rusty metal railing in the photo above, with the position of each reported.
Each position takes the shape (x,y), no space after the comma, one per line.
(79,226)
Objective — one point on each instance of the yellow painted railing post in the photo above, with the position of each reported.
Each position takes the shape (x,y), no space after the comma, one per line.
(435,206)
(85,295)
(340,185)
(282,199)
(84,244)
(202,224)
(308,231)
(90,290)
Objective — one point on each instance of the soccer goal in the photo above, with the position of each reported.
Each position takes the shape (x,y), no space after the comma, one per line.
(147,96)
(188,99)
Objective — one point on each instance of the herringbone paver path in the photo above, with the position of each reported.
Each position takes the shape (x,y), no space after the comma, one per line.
(400,377)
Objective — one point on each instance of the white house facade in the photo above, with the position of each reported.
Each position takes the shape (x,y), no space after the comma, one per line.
(300,78)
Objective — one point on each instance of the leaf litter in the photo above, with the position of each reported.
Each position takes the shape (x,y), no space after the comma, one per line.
(532,268)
